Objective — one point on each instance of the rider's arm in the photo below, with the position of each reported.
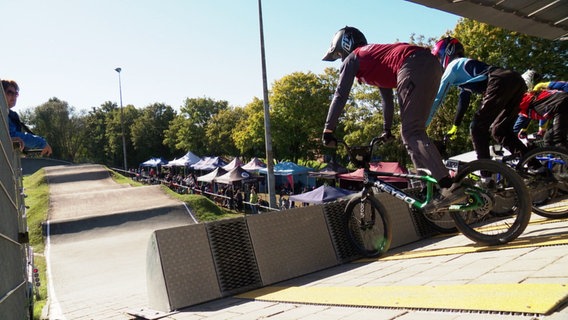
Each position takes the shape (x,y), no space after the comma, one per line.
(541,86)
(445,84)
(521,123)
(558,85)
(346,77)
(388,107)
(463,103)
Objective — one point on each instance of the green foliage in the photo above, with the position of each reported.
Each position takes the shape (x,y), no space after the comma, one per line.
(248,134)
(204,209)
(188,129)
(298,108)
(37,201)
(221,129)
(148,132)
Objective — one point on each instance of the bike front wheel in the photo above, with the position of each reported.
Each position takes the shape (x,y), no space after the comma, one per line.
(367,225)
(548,189)
(498,196)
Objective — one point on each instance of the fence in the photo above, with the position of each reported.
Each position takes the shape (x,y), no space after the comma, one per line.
(15,293)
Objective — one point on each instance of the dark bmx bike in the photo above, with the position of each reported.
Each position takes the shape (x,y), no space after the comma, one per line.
(496,210)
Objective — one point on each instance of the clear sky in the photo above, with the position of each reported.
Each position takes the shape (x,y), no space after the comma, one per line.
(176,49)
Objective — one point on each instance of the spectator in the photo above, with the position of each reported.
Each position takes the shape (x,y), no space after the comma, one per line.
(19,130)
(253,200)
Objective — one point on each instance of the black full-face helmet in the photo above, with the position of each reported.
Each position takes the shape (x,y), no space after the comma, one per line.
(344,42)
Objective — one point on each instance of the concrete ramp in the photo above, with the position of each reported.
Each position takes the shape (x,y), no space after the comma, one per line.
(98,233)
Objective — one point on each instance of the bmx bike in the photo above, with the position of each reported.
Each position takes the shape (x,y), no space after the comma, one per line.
(496,210)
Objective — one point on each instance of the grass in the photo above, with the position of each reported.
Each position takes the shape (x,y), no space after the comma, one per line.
(37,201)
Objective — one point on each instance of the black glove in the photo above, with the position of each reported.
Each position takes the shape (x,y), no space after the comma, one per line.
(329,140)
(386,136)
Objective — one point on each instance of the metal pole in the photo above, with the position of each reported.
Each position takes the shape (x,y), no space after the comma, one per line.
(122,119)
(267,136)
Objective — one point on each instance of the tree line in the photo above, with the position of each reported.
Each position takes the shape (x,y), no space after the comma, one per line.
(298,108)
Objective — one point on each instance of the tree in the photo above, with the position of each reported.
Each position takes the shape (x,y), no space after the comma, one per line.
(62,128)
(114,126)
(188,130)
(96,141)
(148,131)
(299,103)
(248,134)
(220,131)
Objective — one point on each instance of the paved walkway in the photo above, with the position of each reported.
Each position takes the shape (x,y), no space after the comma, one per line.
(100,274)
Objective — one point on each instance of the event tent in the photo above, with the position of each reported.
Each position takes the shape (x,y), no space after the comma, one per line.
(209,163)
(233,164)
(330,171)
(185,161)
(237,174)
(287,168)
(212,175)
(357,175)
(154,162)
(292,174)
(254,164)
(322,194)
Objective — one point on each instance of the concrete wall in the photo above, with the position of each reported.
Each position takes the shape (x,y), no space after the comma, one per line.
(198,263)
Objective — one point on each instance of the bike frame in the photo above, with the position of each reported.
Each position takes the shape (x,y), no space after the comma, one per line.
(372,179)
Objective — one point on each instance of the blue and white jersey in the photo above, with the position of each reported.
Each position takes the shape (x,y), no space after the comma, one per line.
(468,75)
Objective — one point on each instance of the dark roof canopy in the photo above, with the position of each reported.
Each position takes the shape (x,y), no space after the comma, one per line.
(546,19)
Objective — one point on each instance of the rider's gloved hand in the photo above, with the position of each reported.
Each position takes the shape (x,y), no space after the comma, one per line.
(522,134)
(453,133)
(329,140)
(386,136)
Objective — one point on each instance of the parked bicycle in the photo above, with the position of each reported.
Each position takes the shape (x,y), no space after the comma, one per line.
(496,210)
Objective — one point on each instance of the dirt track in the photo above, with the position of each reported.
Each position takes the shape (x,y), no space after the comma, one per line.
(98,232)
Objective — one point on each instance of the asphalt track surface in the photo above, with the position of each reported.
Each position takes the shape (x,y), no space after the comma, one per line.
(99,232)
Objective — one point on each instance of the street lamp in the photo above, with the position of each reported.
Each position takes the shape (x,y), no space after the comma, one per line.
(122,119)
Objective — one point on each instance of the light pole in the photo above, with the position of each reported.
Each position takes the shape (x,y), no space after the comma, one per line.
(267,136)
(122,119)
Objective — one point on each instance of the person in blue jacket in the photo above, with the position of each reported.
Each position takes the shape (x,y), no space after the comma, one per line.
(18,130)
(502,91)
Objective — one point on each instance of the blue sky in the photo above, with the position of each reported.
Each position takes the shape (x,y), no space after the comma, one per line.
(176,49)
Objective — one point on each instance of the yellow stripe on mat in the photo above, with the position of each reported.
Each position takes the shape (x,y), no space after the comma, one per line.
(527,242)
(525,298)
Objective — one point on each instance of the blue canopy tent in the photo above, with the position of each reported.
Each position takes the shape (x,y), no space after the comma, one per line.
(209,164)
(291,173)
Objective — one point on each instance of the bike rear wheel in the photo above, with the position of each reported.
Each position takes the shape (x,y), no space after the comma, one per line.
(367,225)
(548,190)
(504,204)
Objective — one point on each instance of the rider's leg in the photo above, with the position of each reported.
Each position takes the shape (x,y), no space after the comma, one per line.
(417,85)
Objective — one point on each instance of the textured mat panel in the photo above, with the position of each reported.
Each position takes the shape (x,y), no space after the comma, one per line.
(180,268)
(233,255)
(291,243)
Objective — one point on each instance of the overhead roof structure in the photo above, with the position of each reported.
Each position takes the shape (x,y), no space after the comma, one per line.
(546,19)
